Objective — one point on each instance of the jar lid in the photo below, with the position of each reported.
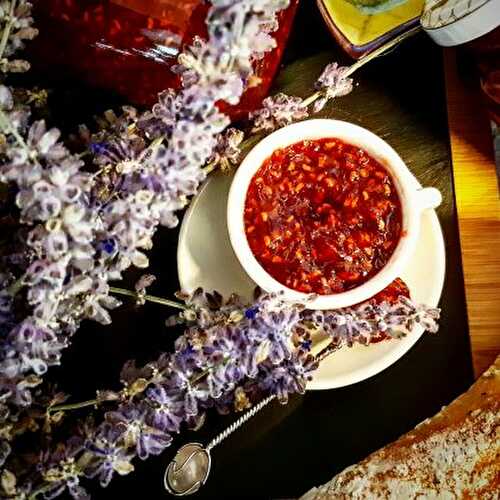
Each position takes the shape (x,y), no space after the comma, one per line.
(453,22)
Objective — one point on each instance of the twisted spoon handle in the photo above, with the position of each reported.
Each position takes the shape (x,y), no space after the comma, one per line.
(255,409)
(238,423)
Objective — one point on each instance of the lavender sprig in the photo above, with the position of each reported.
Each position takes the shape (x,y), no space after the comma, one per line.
(219,362)
(333,82)
(360,324)
(281,109)
(79,230)
(277,111)
(16,26)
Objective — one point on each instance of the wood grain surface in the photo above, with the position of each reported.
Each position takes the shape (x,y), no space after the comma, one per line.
(478,207)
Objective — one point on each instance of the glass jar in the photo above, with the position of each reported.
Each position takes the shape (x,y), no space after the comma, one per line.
(129,46)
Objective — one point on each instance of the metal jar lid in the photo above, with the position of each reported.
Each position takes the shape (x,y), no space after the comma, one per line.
(453,22)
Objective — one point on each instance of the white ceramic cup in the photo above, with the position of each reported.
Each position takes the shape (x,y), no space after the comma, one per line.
(413,202)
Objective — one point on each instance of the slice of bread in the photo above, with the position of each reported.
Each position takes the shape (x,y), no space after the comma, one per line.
(453,455)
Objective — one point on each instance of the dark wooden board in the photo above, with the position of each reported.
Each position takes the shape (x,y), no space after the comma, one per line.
(285,450)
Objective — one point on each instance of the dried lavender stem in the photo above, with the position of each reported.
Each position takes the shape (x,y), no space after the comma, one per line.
(365,59)
(326,351)
(73,406)
(149,298)
(95,402)
(309,100)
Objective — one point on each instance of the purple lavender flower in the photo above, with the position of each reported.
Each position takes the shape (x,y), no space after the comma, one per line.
(41,144)
(227,151)
(360,324)
(277,111)
(231,349)
(53,192)
(190,139)
(127,154)
(399,319)
(333,82)
(207,309)
(16,391)
(17,115)
(345,326)
(137,431)
(275,328)
(166,412)
(182,385)
(206,62)
(30,348)
(288,377)
(61,471)
(160,121)
(108,454)
(253,40)
(222,378)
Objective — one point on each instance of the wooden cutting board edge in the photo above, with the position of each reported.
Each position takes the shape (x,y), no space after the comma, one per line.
(478,210)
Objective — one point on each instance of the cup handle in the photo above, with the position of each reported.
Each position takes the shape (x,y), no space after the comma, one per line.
(429,198)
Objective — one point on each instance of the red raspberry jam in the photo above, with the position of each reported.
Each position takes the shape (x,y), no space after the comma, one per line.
(398,288)
(322,216)
(391,294)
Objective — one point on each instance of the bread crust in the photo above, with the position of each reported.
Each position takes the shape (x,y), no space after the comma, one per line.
(453,455)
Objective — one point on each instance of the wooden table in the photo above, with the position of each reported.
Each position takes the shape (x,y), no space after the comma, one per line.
(478,207)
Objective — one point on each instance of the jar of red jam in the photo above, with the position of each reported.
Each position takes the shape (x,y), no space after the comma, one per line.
(129,46)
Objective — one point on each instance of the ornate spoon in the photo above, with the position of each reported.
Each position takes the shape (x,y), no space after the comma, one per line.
(189,469)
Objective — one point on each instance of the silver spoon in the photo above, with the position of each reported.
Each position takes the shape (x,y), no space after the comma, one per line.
(189,469)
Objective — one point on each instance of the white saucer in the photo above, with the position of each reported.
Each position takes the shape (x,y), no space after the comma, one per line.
(205,258)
